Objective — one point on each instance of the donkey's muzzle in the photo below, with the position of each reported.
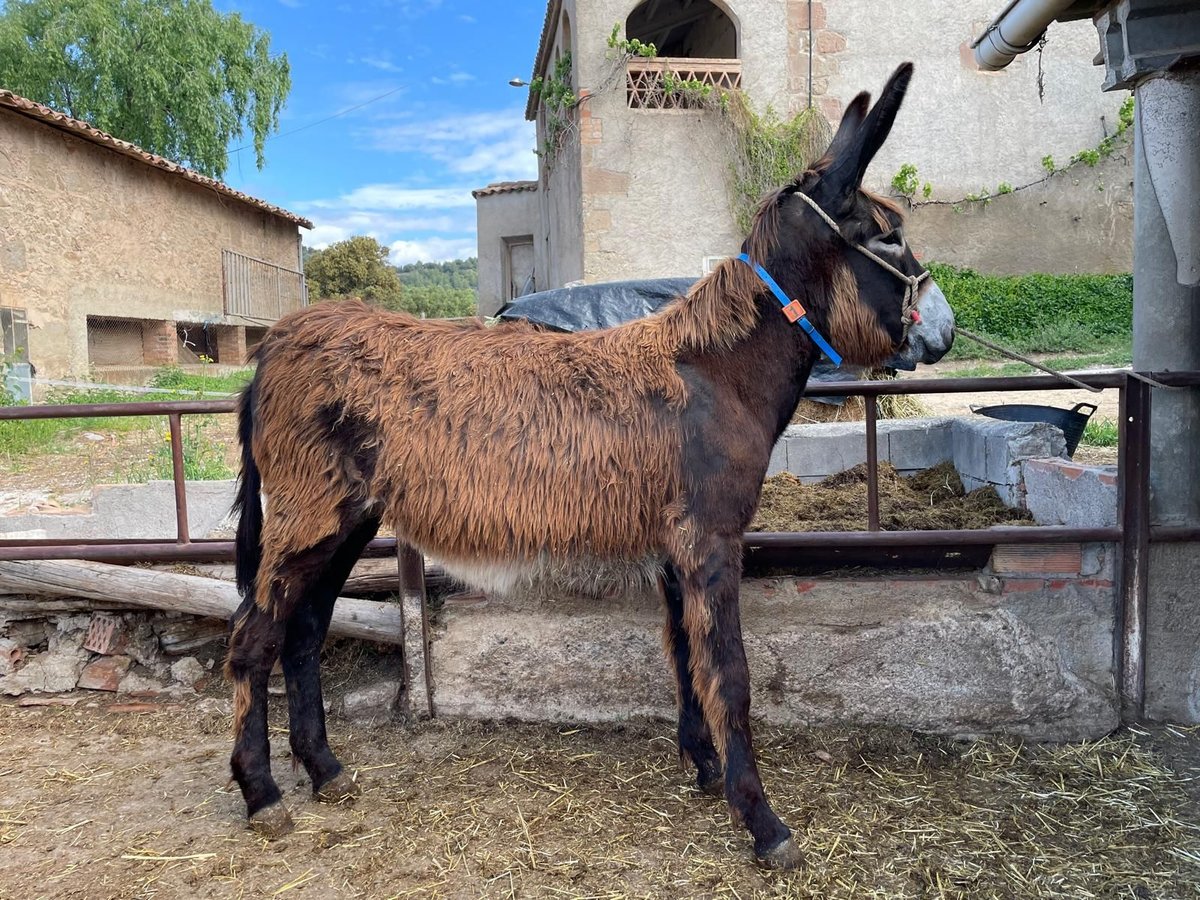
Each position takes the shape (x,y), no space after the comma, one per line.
(931,334)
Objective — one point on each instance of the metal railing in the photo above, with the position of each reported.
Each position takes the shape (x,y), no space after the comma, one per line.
(1134,534)
(259,290)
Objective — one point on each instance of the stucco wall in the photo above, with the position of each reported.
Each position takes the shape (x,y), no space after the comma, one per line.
(1076,221)
(962,128)
(500,216)
(87,231)
(558,246)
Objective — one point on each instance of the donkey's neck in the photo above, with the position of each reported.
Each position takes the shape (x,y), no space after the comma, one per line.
(766,369)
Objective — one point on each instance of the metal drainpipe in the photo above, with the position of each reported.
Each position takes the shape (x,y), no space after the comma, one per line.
(1014,31)
(811,50)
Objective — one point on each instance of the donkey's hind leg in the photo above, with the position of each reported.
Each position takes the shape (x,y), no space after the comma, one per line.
(258,637)
(306,631)
(253,648)
(695,739)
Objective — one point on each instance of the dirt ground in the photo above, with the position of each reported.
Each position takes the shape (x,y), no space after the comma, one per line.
(103,799)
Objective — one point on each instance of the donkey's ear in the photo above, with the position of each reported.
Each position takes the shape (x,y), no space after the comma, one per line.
(847,130)
(850,164)
(880,120)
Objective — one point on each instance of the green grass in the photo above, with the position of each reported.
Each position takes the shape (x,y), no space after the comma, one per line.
(20,438)
(175,378)
(1038,313)
(203,458)
(29,437)
(1100,433)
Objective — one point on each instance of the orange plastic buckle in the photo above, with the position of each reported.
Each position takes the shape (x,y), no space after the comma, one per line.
(794,311)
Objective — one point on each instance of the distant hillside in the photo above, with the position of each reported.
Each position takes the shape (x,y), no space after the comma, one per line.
(460,274)
(439,290)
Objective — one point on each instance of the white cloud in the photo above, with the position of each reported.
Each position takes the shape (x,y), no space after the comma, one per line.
(497,144)
(453,78)
(394,197)
(466,19)
(291,4)
(378,62)
(432,250)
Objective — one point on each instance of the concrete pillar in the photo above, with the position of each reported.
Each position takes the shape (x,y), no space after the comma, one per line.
(231,344)
(1166,336)
(1166,314)
(160,343)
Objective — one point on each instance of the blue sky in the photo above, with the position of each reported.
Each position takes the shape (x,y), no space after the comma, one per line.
(401,168)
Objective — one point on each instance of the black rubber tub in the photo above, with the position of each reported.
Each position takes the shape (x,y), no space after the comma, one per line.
(1070,421)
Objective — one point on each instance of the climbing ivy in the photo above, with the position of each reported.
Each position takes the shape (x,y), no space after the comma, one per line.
(560,101)
(768,151)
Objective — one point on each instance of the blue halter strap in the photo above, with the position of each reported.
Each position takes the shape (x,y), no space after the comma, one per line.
(793,310)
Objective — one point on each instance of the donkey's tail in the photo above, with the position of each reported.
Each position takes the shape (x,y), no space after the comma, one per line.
(248,505)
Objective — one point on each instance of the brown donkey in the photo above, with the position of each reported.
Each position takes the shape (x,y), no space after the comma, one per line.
(513,455)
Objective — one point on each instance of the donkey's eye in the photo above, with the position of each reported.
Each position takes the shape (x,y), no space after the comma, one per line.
(892,242)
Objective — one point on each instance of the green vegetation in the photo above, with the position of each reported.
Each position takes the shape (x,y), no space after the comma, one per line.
(358,267)
(175,77)
(1067,362)
(559,98)
(628,47)
(355,267)
(768,151)
(176,379)
(1039,313)
(440,290)
(203,458)
(36,436)
(1100,433)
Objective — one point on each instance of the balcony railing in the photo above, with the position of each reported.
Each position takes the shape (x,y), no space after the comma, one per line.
(258,290)
(679,83)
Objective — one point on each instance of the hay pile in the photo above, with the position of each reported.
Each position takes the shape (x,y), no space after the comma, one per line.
(933,499)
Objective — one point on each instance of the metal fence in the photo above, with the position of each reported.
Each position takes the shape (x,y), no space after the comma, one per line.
(260,291)
(1133,535)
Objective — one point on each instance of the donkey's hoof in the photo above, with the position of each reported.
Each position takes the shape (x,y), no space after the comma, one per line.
(712,787)
(272,821)
(338,788)
(784,856)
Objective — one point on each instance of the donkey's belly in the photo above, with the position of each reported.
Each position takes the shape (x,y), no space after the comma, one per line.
(547,576)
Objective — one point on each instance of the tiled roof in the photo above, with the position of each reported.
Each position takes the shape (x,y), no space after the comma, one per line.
(55,119)
(505,187)
(549,27)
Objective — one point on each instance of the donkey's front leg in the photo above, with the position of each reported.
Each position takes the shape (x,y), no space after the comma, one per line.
(722,680)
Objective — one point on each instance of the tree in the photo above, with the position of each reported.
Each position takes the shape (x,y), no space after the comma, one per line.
(175,77)
(356,267)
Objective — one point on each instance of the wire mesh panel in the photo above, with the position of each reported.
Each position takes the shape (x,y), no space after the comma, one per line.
(258,290)
(665,83)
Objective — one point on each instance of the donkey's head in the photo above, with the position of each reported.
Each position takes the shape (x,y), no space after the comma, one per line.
(842,253)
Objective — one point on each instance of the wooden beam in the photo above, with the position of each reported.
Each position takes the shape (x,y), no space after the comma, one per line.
(110,584)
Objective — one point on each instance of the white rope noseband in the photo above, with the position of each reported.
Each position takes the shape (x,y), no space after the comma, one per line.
(913,282)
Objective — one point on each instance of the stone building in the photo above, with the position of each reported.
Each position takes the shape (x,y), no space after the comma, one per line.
(114,261)
(636,183)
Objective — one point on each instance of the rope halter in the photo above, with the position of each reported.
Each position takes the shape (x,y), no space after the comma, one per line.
(908,315)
